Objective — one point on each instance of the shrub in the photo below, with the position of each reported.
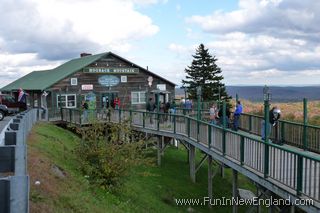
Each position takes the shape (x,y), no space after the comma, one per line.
(106,153)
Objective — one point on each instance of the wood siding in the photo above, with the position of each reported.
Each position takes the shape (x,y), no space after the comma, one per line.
(135,82)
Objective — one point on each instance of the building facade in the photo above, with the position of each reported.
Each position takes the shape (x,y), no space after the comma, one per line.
(98,79)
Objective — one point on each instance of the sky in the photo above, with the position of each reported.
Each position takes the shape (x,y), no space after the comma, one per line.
(256,42)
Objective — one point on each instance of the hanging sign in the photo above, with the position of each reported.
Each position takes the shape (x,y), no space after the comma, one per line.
(109,80)
(116,70)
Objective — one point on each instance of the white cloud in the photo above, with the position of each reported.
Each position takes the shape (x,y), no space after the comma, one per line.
(265,40)
(66,27)
(13,66)
(38,34)
(281,18)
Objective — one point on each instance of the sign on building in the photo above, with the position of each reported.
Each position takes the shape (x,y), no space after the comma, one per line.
(161,87)
(87,86)
(115,70)
(109,80)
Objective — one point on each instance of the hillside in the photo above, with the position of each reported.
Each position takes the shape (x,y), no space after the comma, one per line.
(63,188)
(279,94)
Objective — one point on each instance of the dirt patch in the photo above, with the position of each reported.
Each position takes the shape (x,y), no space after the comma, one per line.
(44,187)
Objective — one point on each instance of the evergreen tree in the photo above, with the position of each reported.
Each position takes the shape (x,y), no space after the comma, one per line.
(204,72)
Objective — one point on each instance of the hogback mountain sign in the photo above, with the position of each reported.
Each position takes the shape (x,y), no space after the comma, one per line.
(109,80)
(115,70)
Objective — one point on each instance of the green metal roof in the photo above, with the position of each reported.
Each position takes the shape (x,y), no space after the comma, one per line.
(41,80)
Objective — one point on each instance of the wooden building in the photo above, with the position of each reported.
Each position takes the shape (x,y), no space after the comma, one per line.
(99,79)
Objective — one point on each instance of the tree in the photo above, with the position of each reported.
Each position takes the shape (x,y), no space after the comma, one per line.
(205,72)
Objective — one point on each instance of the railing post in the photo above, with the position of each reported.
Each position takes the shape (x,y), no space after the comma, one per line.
(174,124)
(250,123)
(158,121)
(119,115)
(209,135)
(242,150)
(282,132)
(70,116)
(188,126)
(143,119)
(80,114)
(224,121)
(266,138)
(61,113)
(305,122)
(130,113)
(299,175)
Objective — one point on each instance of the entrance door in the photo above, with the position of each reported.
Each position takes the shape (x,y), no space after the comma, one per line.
(107,99)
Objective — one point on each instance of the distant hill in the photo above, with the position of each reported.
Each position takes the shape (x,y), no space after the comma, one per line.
(278,94)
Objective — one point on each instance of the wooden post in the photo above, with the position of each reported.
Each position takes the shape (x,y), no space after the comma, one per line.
(162,145)
(192,163)
(222,169)
(210,178)
(292,209)
(159,147)
(234,189)
(305,122)
(258,195)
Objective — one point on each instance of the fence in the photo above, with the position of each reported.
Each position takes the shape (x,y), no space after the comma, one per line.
(14,180)
(296,134)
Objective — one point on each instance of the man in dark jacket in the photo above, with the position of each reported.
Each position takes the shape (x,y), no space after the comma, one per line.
(274,116)
(150,108)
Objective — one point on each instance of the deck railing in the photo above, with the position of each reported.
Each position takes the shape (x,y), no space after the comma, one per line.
(298,171)
(296,134)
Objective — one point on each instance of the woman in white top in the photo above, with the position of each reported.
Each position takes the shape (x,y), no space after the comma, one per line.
(213,114)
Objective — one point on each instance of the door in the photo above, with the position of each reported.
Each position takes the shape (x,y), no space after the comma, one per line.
(107,99)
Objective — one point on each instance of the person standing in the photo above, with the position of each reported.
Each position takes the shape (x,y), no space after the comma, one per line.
(150,108)
(213,114)
(85,108)
(274,116)
(236,116)
(116,103)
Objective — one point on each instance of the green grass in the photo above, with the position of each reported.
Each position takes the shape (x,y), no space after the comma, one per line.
(146,189)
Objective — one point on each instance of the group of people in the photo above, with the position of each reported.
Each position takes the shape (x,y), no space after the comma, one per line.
(164,108)
(85,107)
(217,117)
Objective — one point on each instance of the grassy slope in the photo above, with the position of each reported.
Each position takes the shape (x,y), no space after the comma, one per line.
(146,189)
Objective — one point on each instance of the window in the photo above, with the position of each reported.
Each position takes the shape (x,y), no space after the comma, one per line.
(138,97)
(74,81)
(68,101)
(124,79)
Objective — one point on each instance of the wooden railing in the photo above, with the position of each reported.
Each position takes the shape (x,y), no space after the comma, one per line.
(289,168)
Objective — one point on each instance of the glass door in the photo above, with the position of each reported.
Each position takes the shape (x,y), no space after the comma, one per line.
(107,99)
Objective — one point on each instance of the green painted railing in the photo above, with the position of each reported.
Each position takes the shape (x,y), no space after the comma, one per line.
(289,168)
(304,136)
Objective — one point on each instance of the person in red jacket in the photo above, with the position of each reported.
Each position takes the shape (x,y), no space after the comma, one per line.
(116,103)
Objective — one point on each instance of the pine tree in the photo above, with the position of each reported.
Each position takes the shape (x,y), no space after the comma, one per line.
(204,72)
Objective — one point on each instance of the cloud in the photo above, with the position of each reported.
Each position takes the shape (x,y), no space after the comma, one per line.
(41,34)
(62,29)
(265,40)
(14,66)
(277,17)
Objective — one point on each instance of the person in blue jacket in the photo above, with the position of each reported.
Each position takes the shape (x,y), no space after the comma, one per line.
(236,116)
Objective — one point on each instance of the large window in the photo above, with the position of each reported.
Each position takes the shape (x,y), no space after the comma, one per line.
(138,97)
(67,101)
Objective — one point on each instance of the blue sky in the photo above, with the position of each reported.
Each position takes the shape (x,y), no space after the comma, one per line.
(256,42)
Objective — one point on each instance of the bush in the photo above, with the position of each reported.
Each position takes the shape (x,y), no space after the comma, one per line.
(106,153)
